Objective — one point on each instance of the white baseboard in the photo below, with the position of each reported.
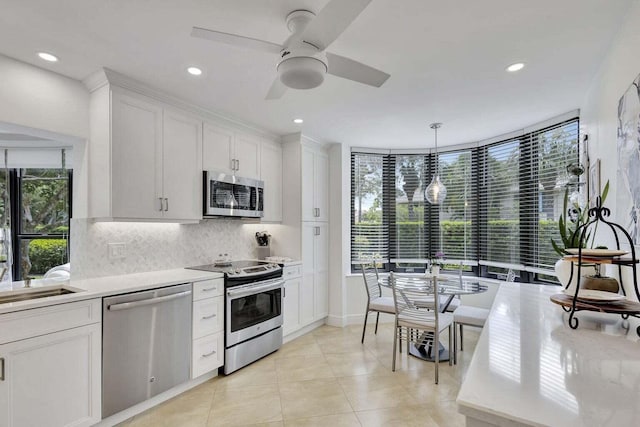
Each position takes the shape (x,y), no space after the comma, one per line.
(338,321)
(155,400)
(304,330)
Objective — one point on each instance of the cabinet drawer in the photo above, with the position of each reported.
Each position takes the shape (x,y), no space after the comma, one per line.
(39,321)
(208,316)
(208,289)
(208,354)
(291,271)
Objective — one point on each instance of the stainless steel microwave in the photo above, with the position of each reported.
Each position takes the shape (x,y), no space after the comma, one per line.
(230,195)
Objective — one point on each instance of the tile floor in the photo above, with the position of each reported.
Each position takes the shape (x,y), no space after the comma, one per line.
(324,378)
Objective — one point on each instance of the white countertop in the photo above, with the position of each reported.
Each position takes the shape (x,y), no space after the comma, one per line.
(104,286)
(530,368)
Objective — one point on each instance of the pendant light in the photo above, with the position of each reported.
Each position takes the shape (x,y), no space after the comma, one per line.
(436,192)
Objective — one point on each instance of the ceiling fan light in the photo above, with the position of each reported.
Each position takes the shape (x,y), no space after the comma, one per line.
(302,72)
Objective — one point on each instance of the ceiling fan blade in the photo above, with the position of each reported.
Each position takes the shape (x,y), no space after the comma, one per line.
(276,90)
(235,40)
(354,70)
(332,21)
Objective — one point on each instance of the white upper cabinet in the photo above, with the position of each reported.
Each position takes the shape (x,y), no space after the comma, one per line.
(145,159)
(217,149)
(247,155)
(230,151)
(315,184)
(182,166)
(136,150)
(271,174)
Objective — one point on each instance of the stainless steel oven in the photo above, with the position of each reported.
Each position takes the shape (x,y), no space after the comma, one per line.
(252,310)
(230,195)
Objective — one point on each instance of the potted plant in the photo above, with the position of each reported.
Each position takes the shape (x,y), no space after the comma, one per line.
(570,221)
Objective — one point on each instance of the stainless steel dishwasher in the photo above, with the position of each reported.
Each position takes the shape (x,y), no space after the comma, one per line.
(146,345)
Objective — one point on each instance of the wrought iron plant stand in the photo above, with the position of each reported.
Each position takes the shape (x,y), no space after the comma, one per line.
(572,303)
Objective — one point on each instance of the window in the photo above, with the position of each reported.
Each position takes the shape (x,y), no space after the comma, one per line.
(42,221)
(35,209)
(503,201)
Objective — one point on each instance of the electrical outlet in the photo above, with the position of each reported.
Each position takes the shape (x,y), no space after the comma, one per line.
(117,250)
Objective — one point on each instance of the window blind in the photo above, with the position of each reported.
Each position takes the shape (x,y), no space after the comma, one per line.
(408,217)
(457,215)
(369,237)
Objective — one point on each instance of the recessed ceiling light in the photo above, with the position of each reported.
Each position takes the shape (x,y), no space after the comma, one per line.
(298,121)
(515,67)
(194,71)
(48,57)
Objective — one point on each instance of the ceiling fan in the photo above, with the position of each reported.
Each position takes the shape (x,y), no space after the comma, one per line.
(303,61)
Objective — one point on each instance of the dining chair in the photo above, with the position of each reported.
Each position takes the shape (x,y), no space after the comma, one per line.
(419,325)
(466,315)
(375,301)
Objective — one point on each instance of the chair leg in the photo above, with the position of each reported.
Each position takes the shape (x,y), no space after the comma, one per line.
(436,347)
(451,356)
(364,327)
(455,343)
(395,343)
(377,318)
(461,339)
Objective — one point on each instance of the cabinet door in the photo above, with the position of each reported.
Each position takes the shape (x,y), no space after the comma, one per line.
(217,148)
(321,271)
(321,186)
(136,145)
(247,155)
(182,166)
(52,380)
(307,293)
(308,173)
(291,309)
(271,174)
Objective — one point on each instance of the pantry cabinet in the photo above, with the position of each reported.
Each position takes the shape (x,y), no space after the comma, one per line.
(315,181)
(315,268)
(50,371)
(291,299)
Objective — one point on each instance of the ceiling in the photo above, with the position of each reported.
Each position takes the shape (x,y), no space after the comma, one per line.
(447,60)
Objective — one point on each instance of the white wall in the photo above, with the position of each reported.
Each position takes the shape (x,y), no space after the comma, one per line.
(599,109)
(337,184)
(37,98)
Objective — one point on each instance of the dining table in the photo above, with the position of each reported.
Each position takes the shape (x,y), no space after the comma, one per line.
(449,286)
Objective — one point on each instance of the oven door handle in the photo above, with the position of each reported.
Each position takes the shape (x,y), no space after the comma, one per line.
(251,290)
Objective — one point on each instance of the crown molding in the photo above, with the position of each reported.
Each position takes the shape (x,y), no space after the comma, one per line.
(106,76)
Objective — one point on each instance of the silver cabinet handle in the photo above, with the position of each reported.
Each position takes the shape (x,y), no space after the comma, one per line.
(209,354)
(133,304)
(208,317)
(160,198)
(316,212)
(316,231)
(237,164)
(1,368)
(166,204)
(233,164)
(210,289)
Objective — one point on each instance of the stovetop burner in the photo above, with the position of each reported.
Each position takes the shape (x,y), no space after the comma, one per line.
(241,268)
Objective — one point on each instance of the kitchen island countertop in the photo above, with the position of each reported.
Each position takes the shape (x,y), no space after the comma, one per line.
(530,368)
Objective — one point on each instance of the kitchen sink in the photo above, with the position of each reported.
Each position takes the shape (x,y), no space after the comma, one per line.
(34,294)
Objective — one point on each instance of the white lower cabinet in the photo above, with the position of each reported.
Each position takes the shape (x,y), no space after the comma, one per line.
(291,306)
(52,379)
(207,350)
(315,270)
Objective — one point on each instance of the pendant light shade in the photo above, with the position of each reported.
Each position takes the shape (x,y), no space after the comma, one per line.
(436,192)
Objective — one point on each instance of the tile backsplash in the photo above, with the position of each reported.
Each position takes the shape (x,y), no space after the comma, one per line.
(153,246)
